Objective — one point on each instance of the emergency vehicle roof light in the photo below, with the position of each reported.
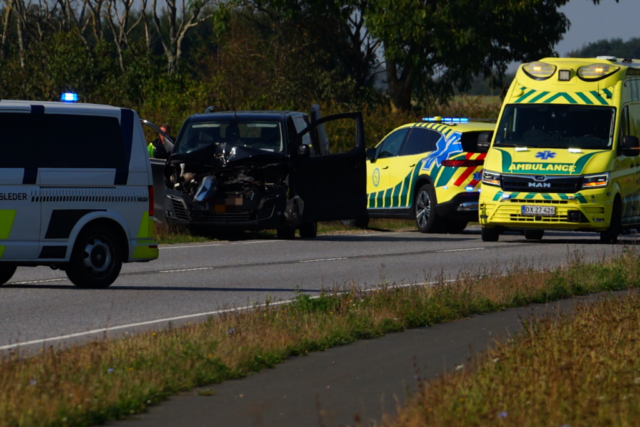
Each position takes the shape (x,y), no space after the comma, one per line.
(69,97)
(539,70)
(595,72)
(438,119)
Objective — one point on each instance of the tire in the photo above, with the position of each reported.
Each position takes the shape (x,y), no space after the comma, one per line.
(7,271)
(286,233)
(490,234)
(309,230)
(454,227)
(424,210)
(96,259)
(356,223)
(533,234)
(610,235)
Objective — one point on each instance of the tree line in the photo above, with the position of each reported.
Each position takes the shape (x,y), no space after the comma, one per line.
(177,56)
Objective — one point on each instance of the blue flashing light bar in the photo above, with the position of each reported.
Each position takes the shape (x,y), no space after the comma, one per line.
(469,188)
(69,97)
(506,196)
(446,119)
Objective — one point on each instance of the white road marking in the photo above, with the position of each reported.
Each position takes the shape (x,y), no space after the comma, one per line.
(208,245)
(39,281)
(323,259)
(186,269)
(462,250)
(44,341)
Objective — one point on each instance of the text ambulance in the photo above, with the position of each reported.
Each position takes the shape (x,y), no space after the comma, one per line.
(564,153)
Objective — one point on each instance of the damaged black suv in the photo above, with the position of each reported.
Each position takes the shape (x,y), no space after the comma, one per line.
(256,170)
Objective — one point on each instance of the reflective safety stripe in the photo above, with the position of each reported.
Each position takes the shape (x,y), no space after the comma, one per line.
(532,96)
(146,252)
(6,223)
(146,229)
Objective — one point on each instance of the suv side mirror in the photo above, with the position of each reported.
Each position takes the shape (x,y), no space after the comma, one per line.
(371,154)
(484,141)
(630,146)
(303,151)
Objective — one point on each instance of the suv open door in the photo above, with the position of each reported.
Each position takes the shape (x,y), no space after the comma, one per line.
(332,186)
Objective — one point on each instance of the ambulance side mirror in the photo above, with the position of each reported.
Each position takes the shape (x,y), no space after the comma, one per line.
(630,146)
(484,141)
(371,154)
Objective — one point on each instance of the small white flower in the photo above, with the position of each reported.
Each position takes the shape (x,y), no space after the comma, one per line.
(459,367)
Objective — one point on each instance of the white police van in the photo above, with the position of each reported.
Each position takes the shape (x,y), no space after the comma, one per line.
(76,191)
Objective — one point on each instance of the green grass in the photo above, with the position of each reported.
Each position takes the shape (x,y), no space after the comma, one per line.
(579,370)
(112,379)
(176,235)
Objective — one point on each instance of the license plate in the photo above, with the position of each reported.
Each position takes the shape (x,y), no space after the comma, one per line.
(539,210)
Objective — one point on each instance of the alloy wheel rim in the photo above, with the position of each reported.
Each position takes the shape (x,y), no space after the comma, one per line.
(97,257)
(423,209)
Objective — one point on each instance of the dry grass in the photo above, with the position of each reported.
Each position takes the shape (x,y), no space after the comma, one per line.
(580,370)
(115,378)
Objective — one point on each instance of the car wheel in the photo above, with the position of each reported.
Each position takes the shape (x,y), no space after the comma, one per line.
(453,227)
(286,233)
(490,234)
(610,235)
(425,209)
(533,234)
(309,230)
(356,223)
(96,259)
(7,271)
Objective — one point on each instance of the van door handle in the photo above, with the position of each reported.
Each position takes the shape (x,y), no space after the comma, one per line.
(385,167)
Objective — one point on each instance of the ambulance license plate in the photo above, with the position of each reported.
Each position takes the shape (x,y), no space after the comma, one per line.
(539,210)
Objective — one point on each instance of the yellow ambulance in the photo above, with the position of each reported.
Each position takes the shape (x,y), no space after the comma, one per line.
(428,171)
(564,153)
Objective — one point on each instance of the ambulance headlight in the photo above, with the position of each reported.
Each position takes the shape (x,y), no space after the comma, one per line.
(491,178)
(596,71)
(539,70)
(595,181)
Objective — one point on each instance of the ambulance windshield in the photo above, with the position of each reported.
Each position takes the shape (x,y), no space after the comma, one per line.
(261,135)
(556,126)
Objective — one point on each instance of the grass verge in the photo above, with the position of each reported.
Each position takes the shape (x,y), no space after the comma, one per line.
(112,379)
(579,370)
(168,235)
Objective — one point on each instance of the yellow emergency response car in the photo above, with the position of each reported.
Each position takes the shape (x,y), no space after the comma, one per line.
(428,171)
(564,153)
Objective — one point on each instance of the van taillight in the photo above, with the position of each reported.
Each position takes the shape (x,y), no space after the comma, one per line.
(151,200)
(462,163)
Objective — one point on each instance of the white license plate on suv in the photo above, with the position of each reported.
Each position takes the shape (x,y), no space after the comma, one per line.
(539,210)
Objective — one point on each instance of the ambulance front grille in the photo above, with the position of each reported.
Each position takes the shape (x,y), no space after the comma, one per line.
(539,202)
(545,184)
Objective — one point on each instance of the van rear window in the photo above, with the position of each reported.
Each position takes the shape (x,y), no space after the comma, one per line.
(469,141)
(61,141)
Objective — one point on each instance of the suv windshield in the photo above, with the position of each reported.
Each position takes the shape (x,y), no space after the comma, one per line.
(556,126)
(260,135)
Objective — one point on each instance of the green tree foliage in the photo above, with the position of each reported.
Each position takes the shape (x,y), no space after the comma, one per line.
(612,47)
(432,47)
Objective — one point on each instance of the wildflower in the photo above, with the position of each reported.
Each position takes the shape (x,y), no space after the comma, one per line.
(415,377)
(154,334)
(231,331)
(130,369)
(636,381)
(496,360)
(459,367)
(502,414)
(33,382)
(110,370)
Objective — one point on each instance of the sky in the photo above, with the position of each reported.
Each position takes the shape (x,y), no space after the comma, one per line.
(590,23)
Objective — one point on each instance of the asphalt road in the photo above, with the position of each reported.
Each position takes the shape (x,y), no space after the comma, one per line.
(187,282)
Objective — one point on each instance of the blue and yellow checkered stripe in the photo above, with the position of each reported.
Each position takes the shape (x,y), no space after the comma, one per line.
(534,96)
(398,196)
(539,196)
